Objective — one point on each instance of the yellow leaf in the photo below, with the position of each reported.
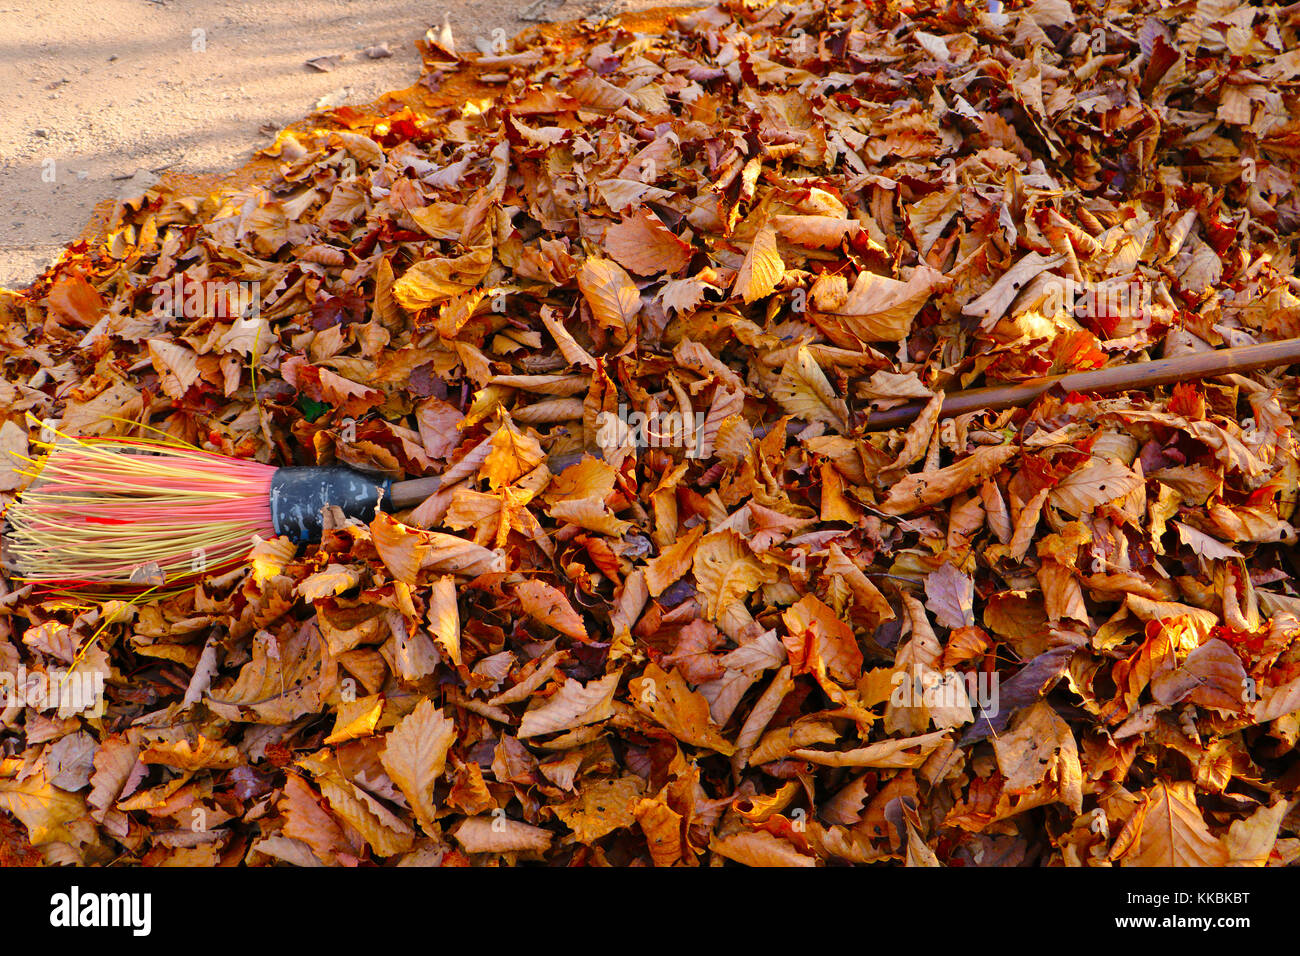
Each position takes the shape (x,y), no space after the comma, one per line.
(355,719)
(444,617)
(435,280)
(207,754)
(662,826)
(441,220)
(759,848)
(602,807)
(514,454)
(1250,841)
(611,294)
(762,269)
(415,756)
(674,561)
(780,743)
(269,557)
(592,514)
(805,392)
(333,579)
(726,574)
(1167,829)
(42,807)
(490,515)
(668,701)
(588,477)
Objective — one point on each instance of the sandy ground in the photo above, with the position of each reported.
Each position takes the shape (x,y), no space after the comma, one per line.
(91,91)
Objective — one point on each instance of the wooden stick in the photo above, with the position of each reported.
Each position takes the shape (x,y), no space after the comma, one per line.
(406,494)
(1116,378)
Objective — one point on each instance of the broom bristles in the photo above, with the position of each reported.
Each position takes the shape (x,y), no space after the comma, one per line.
(102,510)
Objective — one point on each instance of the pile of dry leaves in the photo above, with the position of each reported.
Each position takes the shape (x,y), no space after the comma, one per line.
(1065,634)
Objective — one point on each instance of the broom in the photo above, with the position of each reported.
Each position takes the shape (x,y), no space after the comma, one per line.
(101,509)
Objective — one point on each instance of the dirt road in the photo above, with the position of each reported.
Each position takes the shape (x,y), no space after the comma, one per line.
(90,93)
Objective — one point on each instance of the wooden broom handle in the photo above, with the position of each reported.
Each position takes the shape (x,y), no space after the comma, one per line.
(1115,378)
(405,494)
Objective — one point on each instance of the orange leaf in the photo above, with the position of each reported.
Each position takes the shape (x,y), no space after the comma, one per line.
(762,269)
(611,295)
(549,606)
(645,245)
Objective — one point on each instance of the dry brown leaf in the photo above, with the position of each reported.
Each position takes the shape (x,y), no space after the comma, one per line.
(549,606)
(1040,747)
(611,295)
(1167,829)
(662,826)
(726,574)
(513,454)
(603,807)
(759,848)
(573,705)
(415,755)
(922,489)
(669,702)
(763,269)
(643,244)
(901,753)
(805,392)
(1093,485)
(402,549)
(43,809)
(500,834)
(444,618)
(880,309)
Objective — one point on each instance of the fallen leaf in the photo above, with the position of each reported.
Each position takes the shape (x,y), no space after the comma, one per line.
(1167,829)
(415,756)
